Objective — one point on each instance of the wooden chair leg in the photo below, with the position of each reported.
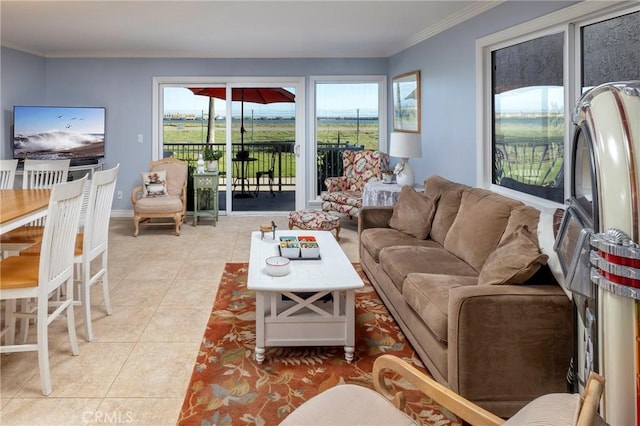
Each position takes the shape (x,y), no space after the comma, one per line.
(136,220)
(178,220)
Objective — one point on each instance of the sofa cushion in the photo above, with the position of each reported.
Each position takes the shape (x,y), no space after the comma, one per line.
(428,296)
(399,261)
(479,225)
(450,194)
(413,213)
(168,204)
(375,239)
(514,261)
(522,215)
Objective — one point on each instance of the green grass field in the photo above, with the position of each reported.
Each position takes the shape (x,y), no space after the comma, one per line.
(194,132)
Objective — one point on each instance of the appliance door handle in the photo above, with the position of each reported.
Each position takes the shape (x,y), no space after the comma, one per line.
(296,150)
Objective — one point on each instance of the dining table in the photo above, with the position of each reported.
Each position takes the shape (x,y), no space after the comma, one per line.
(21,206)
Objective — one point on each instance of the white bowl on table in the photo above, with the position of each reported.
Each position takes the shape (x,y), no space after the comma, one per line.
(277,266)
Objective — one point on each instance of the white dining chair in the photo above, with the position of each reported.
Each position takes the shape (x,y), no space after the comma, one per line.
(30,277)
(8,173)
(38,174)
(95,244)
(91,244)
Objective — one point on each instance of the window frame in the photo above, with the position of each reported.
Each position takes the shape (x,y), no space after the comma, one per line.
(568,20)
(381,80)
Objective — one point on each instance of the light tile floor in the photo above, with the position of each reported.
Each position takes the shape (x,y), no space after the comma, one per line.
(138,366)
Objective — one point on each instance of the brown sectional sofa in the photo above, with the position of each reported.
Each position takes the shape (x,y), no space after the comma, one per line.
(498,345)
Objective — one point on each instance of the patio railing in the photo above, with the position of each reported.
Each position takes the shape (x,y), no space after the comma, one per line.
(329,159)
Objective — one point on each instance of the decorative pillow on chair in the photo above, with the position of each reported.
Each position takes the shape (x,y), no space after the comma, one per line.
(515,260)
(413,213)
(154,184)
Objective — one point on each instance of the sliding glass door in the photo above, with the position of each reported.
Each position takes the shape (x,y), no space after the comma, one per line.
(252,130)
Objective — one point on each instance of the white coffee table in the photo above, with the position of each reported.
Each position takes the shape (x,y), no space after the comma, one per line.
(323,316)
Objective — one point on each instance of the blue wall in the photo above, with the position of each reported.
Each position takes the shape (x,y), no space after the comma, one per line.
(124,87)
(22,82)
(447,64)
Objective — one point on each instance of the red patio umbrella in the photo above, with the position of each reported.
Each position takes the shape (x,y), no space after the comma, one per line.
(259,95)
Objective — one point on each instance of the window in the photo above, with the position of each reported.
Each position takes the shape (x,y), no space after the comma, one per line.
(530,78)
(346,116)
(528,117)
(610,50)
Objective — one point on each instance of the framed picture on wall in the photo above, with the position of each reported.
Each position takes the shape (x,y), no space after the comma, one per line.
(406,102)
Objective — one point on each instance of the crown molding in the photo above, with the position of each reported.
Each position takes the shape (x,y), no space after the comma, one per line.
(474,9)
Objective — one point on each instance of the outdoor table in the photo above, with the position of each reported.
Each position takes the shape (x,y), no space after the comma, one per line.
(241,169)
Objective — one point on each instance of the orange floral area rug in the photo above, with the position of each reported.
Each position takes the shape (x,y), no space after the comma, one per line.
(228,387)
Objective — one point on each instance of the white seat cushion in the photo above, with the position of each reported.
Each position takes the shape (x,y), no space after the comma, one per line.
(557,409)
(348,405)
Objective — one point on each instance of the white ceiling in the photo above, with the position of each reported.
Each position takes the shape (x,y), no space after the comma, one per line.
(226,29)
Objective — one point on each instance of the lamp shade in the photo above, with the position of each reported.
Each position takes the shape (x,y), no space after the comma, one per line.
(405,145)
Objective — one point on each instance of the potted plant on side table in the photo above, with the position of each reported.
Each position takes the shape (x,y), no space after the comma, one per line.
(211,157)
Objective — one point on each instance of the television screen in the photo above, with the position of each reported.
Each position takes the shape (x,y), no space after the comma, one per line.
(54,133)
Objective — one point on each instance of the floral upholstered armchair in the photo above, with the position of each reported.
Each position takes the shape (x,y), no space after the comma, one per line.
(344,193)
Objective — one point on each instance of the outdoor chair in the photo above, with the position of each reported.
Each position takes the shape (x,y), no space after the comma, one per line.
(344,193)
(31,277)
(349,404)
(269,173)
(168,201)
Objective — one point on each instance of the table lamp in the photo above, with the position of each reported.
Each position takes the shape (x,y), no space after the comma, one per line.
(405,146)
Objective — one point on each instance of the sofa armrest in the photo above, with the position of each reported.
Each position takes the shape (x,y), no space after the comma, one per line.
(374,217)
(518,337)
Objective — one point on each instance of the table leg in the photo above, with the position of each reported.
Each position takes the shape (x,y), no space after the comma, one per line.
(350,312)
(244,179)
(348,353)
(195,207)
(260,304)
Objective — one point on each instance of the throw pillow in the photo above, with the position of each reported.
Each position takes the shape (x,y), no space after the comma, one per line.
(413,213)
(514,261)
(478,226)
(154,184)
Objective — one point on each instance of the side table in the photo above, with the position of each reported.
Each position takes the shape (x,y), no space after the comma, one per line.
(207,181)
(378,193)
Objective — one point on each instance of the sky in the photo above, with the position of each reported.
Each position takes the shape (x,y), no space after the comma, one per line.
(531,100)
(332,99)
(348,100)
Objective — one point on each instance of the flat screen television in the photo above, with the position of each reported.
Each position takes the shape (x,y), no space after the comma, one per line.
(56,133)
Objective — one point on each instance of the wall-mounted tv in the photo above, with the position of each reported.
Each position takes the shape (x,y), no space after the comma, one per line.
(54,133)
